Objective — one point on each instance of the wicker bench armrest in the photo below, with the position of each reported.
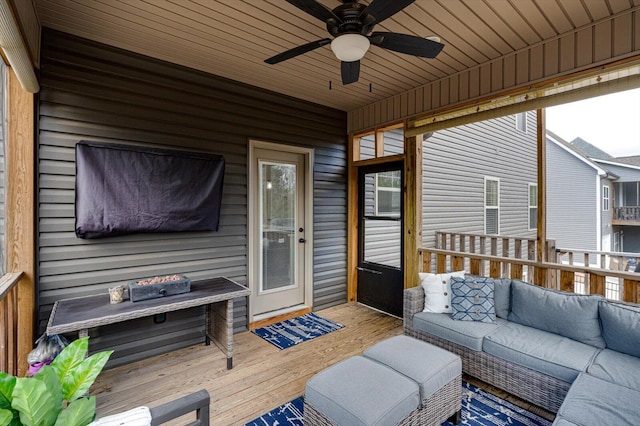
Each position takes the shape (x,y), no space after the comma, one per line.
(413,303)
(197,401)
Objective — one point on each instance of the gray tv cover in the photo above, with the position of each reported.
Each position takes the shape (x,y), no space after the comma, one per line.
(123,189)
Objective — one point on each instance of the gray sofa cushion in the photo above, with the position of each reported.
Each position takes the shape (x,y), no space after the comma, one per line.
(359,391)
(502,296)
(545,352)
(593,401)
(465,333)
(570,315)
(621,327)
(428,365)
(617,367)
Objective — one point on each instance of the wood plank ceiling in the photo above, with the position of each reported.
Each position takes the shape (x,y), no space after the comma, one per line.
(231,38)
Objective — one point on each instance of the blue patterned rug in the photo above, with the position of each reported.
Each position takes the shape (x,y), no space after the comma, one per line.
(479,408)
(289,333)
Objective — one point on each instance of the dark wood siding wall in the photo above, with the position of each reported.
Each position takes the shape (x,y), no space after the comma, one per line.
(95,92)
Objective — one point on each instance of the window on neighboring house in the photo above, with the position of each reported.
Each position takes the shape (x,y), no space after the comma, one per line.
(491,206)
(388,195)
(533,206)
(521,122)
(605,198)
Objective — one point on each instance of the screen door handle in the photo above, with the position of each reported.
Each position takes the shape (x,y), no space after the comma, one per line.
(371,271)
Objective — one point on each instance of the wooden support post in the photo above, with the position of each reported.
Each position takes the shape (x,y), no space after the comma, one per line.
(352,221)
(20,216)
(412,209)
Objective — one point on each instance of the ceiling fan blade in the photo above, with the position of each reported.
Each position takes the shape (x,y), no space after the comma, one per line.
(350,71)
(405,43)
(383,9)
(297,51)
(315,9)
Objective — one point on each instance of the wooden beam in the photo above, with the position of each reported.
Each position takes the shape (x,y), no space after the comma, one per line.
(352,222)
(20,208)
(542,185)
(412,210)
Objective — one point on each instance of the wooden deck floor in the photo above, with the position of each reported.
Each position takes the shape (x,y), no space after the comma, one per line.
(263,376)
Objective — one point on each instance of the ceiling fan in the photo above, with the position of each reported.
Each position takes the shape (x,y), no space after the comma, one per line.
(351,25)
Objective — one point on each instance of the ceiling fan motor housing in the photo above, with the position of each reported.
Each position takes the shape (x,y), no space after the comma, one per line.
(353,21)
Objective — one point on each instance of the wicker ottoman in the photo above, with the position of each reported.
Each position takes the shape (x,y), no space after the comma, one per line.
(357,392)
(400,381)
(437,372)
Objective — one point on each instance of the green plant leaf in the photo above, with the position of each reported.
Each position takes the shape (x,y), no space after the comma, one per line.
(77,382)
(7,383)
(79,413)
(48,376)
(6,417)
(34,403)
(70,357)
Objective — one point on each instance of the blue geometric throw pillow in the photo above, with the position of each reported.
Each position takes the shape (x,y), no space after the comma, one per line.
(472,299)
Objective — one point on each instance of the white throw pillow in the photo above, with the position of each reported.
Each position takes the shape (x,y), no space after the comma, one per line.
(140,416)
(437,291)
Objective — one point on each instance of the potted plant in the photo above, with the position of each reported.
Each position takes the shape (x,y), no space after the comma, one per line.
(57,394)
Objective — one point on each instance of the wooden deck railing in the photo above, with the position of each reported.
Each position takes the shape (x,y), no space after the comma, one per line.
(9,327)
(627,213)
(546,274)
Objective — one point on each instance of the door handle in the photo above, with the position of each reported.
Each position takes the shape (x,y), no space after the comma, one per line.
(302,240)
(371,271)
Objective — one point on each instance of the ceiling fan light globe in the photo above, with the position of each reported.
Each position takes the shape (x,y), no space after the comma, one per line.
(350,47)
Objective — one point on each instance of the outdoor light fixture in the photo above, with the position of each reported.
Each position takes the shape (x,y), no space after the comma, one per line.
(350,47)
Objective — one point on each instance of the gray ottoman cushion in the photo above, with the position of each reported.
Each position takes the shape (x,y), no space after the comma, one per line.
(592,401)
(428,365)
(360,391)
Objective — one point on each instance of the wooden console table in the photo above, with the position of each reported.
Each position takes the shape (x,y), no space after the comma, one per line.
(82,313)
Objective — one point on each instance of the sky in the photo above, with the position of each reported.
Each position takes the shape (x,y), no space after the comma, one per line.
(610,122)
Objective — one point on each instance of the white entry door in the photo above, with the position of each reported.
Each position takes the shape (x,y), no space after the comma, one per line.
(278,236)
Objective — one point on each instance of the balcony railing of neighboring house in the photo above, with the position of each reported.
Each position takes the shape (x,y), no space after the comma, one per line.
(577,271)
(627,214)
(9,323)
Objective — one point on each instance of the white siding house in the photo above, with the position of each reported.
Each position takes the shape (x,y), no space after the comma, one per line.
(578,215)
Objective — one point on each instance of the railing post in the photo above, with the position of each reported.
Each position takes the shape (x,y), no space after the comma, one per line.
(483,250)
(552,276)
(505,253)
(567,281)
(630,291)
(596,284)
(474,264)
(516,269)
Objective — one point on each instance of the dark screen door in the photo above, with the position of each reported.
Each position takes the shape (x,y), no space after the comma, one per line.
(380,238)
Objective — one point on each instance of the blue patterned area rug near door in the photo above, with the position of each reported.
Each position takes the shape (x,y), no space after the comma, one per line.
(289,333)
(479,408)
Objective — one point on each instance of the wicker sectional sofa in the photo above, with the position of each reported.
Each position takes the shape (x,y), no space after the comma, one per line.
(574,355)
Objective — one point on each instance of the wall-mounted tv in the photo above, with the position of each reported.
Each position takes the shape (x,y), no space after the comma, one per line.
(123,189)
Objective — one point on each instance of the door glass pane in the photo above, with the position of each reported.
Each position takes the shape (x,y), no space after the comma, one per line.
(382,237)
(278,212)
(382,242)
